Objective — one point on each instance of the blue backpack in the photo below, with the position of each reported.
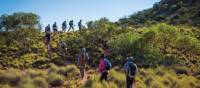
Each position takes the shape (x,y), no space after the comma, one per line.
(108,64)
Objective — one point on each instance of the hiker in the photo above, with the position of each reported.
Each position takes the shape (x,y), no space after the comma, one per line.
(48,39)
(47,34)
(130,69)
(64,26)
(82,61)
(62,49)
(55,28)
(80,25)
(104,67)
(71,25)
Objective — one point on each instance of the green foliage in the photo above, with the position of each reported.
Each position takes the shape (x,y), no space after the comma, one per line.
(10,78)
(40,82)
(19,21)
(55,80)
(118,78)
(173,12)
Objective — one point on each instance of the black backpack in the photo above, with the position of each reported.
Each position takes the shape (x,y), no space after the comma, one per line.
(132,70)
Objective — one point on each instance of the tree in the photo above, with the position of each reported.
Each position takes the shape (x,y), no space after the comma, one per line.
(19,20)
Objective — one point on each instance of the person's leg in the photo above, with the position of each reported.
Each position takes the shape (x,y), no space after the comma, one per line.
(73,28)
(102,76)
(131,82)
(128,82)
(82,71)
(69,29)
(79,28)
(106,76)
(64,29)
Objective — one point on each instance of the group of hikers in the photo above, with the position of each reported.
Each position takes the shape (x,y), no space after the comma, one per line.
(104,66)
(64,26)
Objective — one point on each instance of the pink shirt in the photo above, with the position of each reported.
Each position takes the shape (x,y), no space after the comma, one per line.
(101,65)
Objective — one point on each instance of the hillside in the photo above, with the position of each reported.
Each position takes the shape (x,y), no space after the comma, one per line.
(164,41)
(173,48)
(170,11)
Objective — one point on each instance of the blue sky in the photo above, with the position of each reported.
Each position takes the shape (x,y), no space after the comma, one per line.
(60,10)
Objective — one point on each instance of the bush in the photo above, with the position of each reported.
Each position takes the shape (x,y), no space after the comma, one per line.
(72,71)
(53,69)
(26,82)
(40,82)
(55,80)
(72,84)
(36,73)
(10,78)
(5,86)
(117,77)
(180,70)
(63,71)
(97,84)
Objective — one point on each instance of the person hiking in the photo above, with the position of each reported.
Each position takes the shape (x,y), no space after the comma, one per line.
(62,49)
(71,25)
(80,25)
(55,28)
(82,60)
(104,67)
(47,34)
(64,26)
(131,70)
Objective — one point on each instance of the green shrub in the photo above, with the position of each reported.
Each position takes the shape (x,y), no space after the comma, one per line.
(53,69)
(10,78)
(40,82)
(63,71)
(97,84)
(181,70)
(5,86)
(113,85)
(26,82)
(72,84)
(72,68)
(58,61)
(55,80)
(36,73)
(72,71)
(149,80)
(117,77)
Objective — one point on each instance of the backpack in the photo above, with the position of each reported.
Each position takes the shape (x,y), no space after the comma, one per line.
(108,64)
(132,69)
